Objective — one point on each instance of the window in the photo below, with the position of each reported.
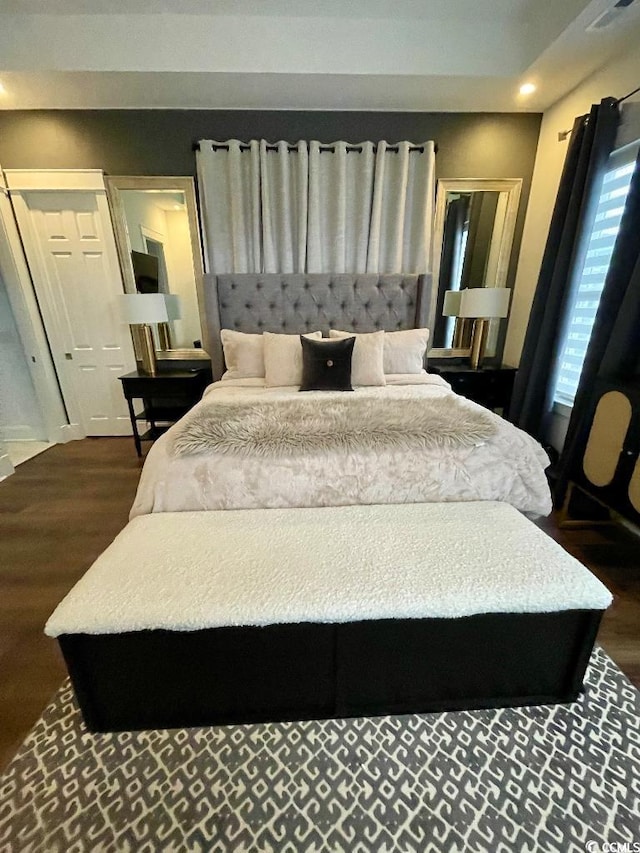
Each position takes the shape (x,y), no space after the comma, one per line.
(613,195)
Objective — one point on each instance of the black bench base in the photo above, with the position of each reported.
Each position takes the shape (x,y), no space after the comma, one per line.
(168,679)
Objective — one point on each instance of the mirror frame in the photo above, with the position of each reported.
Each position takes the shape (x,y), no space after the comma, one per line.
(115,184)
(513,187)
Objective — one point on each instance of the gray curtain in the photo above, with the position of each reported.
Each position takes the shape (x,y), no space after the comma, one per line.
(614,347)
(310,207)
(592,140)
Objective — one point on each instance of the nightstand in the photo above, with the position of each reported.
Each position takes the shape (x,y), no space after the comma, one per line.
(166,398)
(490,386)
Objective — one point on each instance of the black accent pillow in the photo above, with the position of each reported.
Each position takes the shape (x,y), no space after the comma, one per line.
(326,365)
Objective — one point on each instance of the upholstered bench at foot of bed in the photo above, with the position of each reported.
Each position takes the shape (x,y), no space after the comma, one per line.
(243,616)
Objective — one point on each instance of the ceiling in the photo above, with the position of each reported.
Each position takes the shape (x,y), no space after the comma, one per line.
(425,55)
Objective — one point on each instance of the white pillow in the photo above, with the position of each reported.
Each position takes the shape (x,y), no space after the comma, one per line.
(283,358)
(367,366)
(404,351)
(243,355)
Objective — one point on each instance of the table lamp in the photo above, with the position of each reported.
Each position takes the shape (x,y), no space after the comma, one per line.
(172,302)
(482,304)
(140,310)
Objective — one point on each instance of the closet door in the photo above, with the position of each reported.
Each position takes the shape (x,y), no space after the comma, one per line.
(69,244)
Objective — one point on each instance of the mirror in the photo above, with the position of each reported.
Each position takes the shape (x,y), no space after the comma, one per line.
(156,229)
(473,238)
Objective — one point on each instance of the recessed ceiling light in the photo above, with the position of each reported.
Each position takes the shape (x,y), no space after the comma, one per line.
(527,88)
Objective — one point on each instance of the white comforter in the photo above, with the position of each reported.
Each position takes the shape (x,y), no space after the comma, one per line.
(507,467)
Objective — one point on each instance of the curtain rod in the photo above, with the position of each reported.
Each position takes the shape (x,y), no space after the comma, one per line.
(563,134)
(624,97)
(330,148)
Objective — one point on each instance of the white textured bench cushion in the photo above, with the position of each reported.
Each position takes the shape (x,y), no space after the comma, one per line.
(191,570)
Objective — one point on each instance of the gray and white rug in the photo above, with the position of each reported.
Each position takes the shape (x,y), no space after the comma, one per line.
(530,779)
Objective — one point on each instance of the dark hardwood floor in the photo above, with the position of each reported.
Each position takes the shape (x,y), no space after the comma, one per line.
(62,508)
(58,512)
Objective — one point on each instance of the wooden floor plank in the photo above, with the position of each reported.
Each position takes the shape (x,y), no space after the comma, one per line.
(60,510)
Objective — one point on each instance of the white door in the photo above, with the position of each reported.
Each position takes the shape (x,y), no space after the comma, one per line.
(28,320)
(71,251)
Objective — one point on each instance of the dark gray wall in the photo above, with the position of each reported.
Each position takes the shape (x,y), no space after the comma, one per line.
(159,142)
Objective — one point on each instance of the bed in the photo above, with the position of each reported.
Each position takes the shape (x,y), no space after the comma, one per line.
(508,466)
(254,586)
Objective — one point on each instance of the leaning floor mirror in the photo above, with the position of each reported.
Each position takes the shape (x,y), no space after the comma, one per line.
(473,240)
(155,222)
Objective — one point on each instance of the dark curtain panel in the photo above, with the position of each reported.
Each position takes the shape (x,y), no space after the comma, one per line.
(456,216)
(614,346)
(592,140)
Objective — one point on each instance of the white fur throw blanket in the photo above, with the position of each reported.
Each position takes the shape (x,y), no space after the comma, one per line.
(509,466)
(288,427)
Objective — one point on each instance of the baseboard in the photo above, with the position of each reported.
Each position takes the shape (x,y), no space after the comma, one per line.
(68,432)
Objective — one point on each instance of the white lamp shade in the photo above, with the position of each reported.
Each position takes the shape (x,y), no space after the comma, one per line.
(141,308)
(451,305)
(173,306)
(484,302)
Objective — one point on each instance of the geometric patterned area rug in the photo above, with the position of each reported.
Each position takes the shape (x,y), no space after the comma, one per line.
(554,778)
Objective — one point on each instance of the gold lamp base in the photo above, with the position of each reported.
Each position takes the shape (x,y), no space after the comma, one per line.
(461,333)
(478,342)
(164,336)
(147,351)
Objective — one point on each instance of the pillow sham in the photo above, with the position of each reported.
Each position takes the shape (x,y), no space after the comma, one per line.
(404,351)
(326,365)
(243,355)
(367,366)
(283,358)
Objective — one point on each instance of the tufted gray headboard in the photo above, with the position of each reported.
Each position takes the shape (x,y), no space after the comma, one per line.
(297,303)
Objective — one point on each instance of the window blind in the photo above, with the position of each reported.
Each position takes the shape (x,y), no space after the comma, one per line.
(586,297)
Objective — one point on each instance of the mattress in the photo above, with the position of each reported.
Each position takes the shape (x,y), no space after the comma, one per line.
(509,466)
